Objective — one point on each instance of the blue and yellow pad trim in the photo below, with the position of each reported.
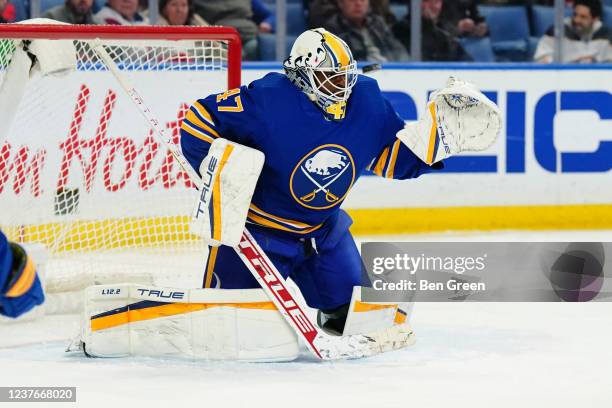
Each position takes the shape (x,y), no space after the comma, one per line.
(148,310)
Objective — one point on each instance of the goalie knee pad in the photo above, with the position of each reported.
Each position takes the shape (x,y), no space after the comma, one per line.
(210,324)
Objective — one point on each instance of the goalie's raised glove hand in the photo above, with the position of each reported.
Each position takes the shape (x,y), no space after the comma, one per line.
(459,118)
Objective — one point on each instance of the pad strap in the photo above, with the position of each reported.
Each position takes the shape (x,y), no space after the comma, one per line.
(367,317)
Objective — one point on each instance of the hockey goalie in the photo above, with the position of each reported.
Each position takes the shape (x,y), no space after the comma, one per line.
(279,157)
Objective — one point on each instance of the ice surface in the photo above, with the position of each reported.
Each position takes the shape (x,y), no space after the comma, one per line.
(467,355)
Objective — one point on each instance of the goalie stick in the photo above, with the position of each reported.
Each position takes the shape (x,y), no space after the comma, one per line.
(321,344)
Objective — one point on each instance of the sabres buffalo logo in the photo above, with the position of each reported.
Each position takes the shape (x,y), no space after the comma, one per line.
(323,177)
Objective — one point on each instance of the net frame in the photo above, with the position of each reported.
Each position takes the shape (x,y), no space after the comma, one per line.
(111,33)
(108,32)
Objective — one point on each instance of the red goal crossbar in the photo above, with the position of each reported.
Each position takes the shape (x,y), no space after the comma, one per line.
(172,33)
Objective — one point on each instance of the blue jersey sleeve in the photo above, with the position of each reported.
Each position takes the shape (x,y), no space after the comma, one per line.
(20,288)
(396,160)
(232,115)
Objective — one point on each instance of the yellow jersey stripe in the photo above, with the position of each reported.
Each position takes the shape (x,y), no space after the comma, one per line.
(270,224)
(203,112)
(217,194)
(171,309)
(187,127)
(292,223)
(432,133)
(195,120)
(380,165)
(25,281)
(394,152)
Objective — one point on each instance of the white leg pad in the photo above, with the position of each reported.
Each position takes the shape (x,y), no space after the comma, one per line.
(209,324)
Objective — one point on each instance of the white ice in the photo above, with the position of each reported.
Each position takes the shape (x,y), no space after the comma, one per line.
(466,355)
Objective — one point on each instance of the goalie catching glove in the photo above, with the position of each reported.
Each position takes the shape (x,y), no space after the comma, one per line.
(229,175)
(459,118)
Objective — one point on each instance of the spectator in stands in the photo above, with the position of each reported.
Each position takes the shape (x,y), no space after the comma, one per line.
(244,15)
(2,7)
(367,34)
(73,12)
(265,19)
(461,18)
(501,2)
(551,2)
(178,12)
(437,44)
(522,2)
(8,13)
(586,39)
(321,11)
(120,12)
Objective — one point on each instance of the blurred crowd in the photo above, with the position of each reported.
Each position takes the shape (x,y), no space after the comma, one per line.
(376,30)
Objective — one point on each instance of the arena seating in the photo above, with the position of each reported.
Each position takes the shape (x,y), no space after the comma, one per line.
(514,30)
(22,9)
(399,10)
(607,15)
(509,31)
(267,46)
(296,19)
(49,4)
(296,24)
(542,18)
(480,49)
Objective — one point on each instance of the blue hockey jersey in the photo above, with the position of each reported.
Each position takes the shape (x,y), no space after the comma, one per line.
(311,162)
(20,288)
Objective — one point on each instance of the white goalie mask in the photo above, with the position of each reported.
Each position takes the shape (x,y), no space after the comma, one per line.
(322,66)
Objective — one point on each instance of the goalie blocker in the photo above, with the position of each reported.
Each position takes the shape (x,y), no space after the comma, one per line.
(229,175)
(208,324)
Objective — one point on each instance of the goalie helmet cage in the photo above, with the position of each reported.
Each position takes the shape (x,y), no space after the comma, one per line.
(80,169)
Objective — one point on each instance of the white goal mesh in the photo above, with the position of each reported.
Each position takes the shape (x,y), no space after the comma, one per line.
(81,171)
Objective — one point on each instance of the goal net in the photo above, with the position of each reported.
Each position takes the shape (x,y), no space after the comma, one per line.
(81,171)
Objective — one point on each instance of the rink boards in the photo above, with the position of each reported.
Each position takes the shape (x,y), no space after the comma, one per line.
(548,170)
